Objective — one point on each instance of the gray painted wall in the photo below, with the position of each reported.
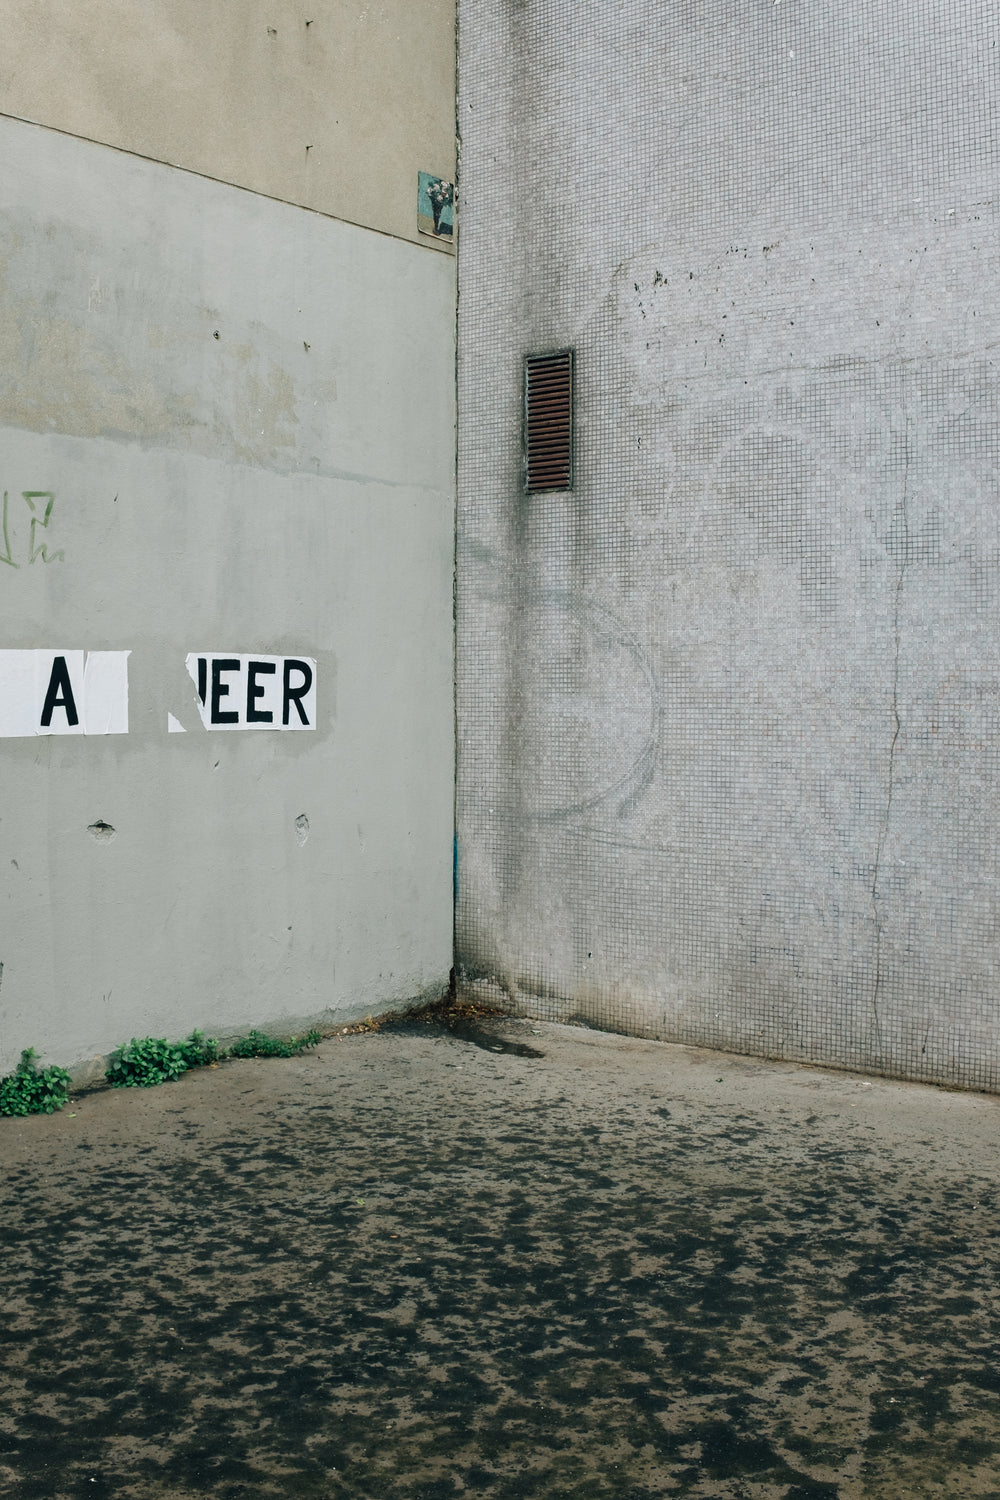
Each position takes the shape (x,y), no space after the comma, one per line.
(245,412)
(728,713)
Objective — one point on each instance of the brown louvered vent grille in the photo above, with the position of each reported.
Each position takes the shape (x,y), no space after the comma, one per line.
(548,421)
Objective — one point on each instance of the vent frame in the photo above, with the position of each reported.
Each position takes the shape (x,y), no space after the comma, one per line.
(548,421)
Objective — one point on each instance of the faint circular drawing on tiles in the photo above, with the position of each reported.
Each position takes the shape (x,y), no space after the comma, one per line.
(774,500)
(583,706)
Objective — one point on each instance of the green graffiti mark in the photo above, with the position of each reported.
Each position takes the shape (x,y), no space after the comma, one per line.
(40,550)
(39,521)
(6,555)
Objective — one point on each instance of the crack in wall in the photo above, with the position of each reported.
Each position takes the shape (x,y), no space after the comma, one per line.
(903,516)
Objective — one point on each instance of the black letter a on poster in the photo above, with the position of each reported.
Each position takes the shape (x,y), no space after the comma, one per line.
(59,694)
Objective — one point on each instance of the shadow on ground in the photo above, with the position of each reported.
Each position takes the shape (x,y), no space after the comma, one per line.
(410,1266)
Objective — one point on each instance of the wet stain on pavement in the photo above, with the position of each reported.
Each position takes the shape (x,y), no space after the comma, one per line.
(467,1023)
(421,1276)
(490,1039)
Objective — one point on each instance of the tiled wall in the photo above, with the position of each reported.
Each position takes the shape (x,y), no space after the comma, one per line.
(728,711)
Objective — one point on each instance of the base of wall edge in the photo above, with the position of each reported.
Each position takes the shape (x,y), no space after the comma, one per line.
(89,1073)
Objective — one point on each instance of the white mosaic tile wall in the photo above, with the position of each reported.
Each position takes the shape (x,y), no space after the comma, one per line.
(728,711)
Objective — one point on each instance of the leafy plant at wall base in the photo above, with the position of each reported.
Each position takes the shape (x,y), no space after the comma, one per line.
(199,1050)
(141,1064)
(31,1090)
(153,1060)
(259,1045)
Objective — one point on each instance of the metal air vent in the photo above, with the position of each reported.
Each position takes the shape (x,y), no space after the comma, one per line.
(548,421)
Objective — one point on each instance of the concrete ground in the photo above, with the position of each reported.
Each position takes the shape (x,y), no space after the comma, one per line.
(409,1264)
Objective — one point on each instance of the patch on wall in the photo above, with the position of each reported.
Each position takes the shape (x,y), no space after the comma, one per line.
(63,692)
(436,208)
(247,692)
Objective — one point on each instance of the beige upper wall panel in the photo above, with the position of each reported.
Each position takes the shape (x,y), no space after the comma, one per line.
(338,114)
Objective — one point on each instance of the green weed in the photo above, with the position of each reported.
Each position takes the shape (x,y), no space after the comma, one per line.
(31,1090)
(259,1045)
(199,1050)
(142,1064)
(153,1060)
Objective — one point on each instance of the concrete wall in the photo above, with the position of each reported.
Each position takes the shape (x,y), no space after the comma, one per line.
(245,414)
(335,106)
(728,712)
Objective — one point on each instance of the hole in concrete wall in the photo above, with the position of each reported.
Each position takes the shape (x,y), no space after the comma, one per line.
(102,831)
(301,829)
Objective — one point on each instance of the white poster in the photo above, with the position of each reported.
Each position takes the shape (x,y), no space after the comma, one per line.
(253,691)
(63,692)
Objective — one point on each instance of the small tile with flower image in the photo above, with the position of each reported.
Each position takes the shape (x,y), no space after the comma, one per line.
(436,207)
